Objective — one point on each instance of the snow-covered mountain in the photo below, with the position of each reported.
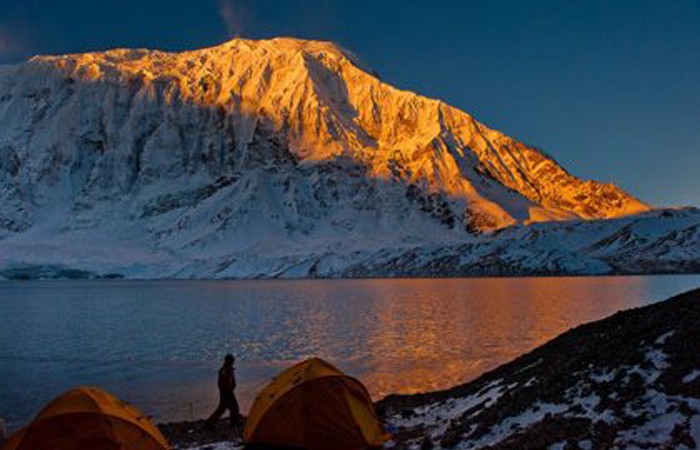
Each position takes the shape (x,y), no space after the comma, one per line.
(286,157)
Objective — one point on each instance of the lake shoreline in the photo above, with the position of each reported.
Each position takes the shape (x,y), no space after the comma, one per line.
(467,276)
(396,336)
(654,342)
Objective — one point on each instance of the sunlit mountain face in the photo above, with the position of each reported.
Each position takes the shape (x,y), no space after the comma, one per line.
(260,158)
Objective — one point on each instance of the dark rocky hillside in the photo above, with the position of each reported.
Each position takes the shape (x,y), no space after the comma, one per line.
(629,381)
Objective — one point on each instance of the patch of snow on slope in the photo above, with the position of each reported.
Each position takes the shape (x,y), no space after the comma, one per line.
(603,376)
(661,340)
(226,445)
(511,425)
(442,412)
(692,376)
(695,428)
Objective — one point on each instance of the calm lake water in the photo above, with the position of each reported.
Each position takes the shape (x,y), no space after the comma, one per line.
(158,344)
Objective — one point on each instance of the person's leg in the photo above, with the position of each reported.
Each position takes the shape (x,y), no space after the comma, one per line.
(235,412)
(232,406)
(218,412)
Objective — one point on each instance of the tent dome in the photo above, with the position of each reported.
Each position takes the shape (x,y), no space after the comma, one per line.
(88,418)
(313,405)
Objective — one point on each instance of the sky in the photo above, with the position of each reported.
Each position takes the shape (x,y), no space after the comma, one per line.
(610,89)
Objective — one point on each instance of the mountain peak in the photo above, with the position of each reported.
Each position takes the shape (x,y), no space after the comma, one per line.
(129,123)
(283,43)
(291,46)
(285,157)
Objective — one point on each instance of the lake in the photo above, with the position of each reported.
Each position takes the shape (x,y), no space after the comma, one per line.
(158,344)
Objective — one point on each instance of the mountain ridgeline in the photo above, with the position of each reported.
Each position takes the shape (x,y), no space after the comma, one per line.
(278,157)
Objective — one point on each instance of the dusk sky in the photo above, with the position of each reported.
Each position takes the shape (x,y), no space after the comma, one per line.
(610,89)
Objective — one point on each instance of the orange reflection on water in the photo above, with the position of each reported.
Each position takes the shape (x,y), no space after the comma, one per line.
(407,336)
(433,334)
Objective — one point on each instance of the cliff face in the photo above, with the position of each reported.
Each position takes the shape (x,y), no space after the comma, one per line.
(628,381)
(213,157)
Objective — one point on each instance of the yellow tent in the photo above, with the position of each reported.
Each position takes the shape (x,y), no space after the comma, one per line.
(313,405)
(88,419)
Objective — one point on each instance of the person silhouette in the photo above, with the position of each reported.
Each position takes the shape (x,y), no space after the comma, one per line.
(227,397)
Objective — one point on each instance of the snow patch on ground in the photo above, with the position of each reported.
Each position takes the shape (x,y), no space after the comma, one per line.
(661,340)
(603,377)
(510,425)
(585,445)
(440,413)
(692,376)
(662,413)
(589,404)
(657,430)
(695,428)
(656,358)
(227,445)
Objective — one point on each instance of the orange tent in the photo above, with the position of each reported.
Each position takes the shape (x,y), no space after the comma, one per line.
(314,406)
(88,418)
